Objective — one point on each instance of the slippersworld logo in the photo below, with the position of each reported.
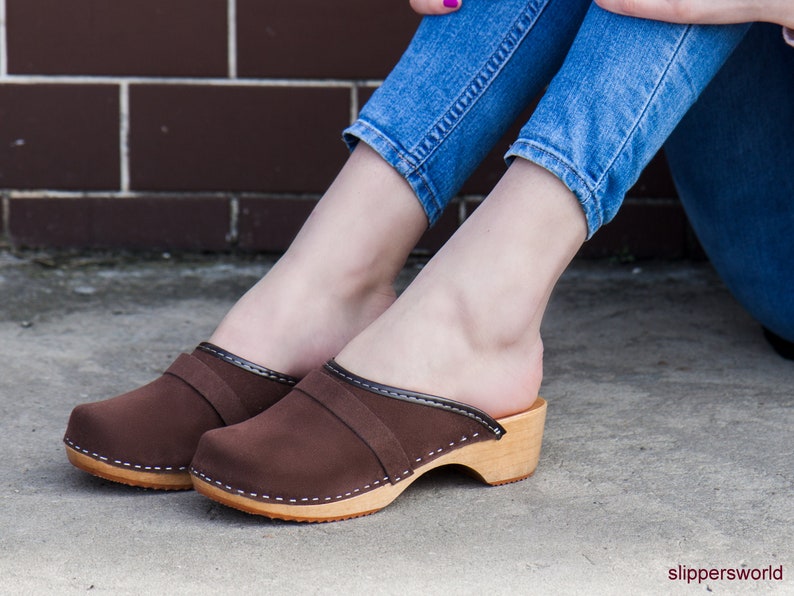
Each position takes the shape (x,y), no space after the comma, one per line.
(691,574)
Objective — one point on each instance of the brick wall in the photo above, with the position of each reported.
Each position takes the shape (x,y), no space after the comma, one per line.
(212,124)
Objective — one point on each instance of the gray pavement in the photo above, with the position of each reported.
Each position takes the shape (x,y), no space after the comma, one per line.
(668,442)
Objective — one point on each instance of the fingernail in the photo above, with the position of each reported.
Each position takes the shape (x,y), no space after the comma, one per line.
(451,3)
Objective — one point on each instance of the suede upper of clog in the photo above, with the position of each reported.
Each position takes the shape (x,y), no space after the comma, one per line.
(331,439)
(157,427)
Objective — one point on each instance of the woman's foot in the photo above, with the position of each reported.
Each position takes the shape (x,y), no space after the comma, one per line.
(336,278)
(148,436)
(468,328)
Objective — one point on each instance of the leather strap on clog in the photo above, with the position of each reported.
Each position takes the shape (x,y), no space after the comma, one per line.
(336,398)
(425,399)
(251,367)
(211,387)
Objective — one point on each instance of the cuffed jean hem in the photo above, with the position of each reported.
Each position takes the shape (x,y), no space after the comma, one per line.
(460,84)
(567,173)
(615,101)
(401,161)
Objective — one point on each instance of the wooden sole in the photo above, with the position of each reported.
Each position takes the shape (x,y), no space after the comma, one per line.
(510,459)
(157,480)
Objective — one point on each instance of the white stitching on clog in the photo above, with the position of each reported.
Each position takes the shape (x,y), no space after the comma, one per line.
(119,462)
(354,491)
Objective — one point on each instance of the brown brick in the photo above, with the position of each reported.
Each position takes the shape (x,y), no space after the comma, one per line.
(282,139)
(642,229)
(188,223)
(434,238)
(59,136)
(655,181)
(270,224)
(309,39)
(118,37)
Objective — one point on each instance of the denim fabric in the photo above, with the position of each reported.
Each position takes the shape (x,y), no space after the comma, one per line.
(465,77)
(625,85)
(463,80)
(732,159)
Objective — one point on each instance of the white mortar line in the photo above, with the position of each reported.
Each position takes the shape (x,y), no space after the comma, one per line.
(231,17)
(6,211)
(224,82)
(462,215)
(45,193)
(124,136)
(234,218)
(3,41)
(353,103)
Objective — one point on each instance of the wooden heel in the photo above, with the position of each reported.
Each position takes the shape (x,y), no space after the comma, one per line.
(510,459)
(393,435)
(515,456)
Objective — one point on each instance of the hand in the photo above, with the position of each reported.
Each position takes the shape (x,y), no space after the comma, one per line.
(435,6)
(715,12)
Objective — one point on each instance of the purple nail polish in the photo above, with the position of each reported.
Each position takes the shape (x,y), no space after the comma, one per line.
(451,3)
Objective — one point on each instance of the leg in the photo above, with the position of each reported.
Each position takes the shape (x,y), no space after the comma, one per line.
(732,158)
(603,119)
(469,327)
(462,82)
(429,131)
(337,275)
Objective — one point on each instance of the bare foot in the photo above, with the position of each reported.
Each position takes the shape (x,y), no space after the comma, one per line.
(294,319)
(468,328)
(336,278)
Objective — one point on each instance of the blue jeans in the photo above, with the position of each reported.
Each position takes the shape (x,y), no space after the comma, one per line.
(624,85)
(617,88)
(460,84)
(732,159)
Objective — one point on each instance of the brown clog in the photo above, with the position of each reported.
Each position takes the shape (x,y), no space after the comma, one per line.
(339,446)
(147,437)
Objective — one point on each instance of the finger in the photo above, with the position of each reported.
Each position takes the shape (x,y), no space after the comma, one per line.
(435,6)
(660,10)
(687,11)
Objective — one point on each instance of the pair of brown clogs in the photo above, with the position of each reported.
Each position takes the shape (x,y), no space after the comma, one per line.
(330,446)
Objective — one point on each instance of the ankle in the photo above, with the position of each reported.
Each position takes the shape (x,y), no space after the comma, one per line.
(354,283)
(300,315)
(501,349)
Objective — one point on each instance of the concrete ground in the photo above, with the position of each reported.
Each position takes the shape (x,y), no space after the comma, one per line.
(668,443)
